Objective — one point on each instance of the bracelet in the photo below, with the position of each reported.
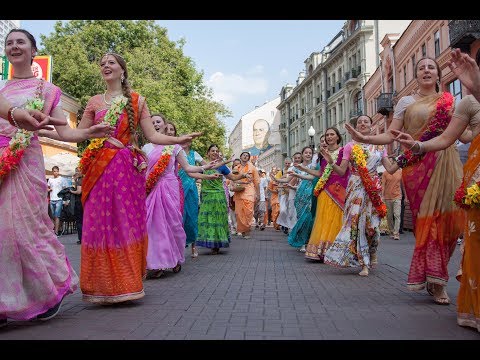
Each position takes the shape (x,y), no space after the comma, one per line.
(420,147)
(203,169)
(11,118)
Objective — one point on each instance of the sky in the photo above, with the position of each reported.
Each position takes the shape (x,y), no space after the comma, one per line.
(245,62)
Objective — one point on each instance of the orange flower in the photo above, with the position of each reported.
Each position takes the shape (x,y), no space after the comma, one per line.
(159,168)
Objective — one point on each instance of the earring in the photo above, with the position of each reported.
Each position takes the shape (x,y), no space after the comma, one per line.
(122,78)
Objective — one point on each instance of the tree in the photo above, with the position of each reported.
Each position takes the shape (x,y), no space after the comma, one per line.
(157,69)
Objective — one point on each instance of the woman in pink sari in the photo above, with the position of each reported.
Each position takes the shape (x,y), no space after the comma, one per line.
(36,274)
(430,180)
(114,239)
(166,234)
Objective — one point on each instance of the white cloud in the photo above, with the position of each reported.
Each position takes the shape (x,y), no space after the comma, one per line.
(230,87)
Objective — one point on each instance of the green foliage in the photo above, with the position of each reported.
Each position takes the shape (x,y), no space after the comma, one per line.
(157,69)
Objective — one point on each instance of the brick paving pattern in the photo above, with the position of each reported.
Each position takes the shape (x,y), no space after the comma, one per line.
(262,289)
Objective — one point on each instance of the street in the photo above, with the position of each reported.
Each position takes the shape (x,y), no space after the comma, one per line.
(262,289)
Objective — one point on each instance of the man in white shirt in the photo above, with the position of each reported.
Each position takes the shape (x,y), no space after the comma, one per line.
(262,207)
(56,184)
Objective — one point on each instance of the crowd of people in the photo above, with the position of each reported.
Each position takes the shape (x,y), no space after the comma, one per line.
(141,207)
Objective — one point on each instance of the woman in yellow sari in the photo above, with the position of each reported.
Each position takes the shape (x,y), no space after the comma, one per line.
(430,180)
(467,113)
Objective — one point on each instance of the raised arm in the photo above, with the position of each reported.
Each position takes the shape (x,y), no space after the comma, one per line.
(339,169)
(313,172)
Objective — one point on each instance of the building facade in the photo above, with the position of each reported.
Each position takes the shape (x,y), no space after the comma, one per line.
(395,76)
(329,91)
(258,133)
(5,27)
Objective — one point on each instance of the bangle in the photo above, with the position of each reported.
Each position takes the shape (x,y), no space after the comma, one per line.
(203,169)
(11,118)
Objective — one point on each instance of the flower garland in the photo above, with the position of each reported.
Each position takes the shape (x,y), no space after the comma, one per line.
(326,174)
(437,126)
(21,140)
(159,168)
(468,198)
(111,117)
(372,187)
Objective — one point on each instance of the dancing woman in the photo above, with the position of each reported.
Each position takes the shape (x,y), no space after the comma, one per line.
(330,193)
(465,125)
(114,243)
(430,180)
(356,243)
(36,273)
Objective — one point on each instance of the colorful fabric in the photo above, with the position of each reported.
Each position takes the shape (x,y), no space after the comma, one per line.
(468,299)
(166,237)
(430,186)
(303,202)
(329,213)
(35,271)
(213,229)
(327,225)
(358,237)
(114,239)
(190,207)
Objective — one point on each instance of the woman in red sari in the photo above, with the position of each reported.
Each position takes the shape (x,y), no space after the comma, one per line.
(114,242)
(430,180)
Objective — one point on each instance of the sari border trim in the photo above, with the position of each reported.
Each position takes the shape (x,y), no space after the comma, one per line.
(112,299)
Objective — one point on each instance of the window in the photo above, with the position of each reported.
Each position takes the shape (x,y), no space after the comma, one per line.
(413,65)
(437,43)
(455,88)
(404,75)
(358,102)
(424,50)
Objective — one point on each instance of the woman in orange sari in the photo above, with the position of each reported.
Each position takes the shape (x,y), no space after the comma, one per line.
(430,180)
(114,242)
(467,113)
(275,203)
(245,200)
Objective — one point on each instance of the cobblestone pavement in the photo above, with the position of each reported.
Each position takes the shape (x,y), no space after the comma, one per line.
(261,288)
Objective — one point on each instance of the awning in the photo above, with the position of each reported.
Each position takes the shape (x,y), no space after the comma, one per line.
(66,162)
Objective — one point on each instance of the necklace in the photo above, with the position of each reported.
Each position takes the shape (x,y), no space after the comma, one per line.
(21,78)
(111,97)
(422,95)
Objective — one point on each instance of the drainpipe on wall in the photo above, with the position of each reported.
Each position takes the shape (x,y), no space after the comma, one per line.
(377,43)
(325,105)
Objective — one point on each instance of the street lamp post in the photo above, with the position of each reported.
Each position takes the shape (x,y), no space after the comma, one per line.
(311,133)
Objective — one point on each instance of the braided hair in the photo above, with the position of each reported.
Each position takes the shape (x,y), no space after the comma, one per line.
(127,92)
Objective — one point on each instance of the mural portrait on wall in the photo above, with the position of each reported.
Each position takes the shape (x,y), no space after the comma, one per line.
(261,134)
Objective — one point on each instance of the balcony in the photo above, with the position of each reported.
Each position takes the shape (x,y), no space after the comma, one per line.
(351,77)
(282,126)
(385,103)
(463,33)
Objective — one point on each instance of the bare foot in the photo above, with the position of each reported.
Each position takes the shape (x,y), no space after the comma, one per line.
(364,271)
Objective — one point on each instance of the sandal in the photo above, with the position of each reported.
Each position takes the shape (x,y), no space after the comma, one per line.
(441,298)
(194,253)
(430,288)
(177,268)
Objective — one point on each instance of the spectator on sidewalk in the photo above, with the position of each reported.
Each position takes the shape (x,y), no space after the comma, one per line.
(56,184)
(392,194)
(78,211)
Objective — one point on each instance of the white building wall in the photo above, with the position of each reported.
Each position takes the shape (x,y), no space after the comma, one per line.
(5,27)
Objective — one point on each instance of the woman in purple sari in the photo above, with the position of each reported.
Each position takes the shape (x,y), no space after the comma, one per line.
(36,274)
